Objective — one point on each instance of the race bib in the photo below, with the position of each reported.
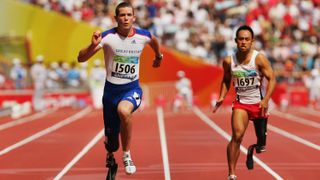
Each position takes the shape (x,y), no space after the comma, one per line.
(125,67)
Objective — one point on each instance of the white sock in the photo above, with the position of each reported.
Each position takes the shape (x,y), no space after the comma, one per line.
(126,154)
(232,176)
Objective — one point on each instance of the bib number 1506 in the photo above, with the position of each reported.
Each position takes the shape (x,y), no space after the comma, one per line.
(126,68)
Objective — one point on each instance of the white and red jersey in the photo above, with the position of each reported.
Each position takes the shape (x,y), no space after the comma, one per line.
(247,80)
(122,54)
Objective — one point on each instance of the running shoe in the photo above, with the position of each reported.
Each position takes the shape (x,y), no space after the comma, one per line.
(232,177)
(129,167)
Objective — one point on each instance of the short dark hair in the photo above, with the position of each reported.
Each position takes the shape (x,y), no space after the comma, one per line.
(122,5)
(245,27)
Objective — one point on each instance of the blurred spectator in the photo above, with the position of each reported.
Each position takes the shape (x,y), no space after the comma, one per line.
(84,74)
(87,11)
(39,77)
(62,71)
(312,82)
(97,79)
(102,19)
(73,76)
(305,62)
(18,74)
(196,46)
(2,79)
(52,82)
(317,60)
(184,92)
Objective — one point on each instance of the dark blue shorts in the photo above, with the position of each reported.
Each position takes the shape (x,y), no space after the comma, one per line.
(112,95)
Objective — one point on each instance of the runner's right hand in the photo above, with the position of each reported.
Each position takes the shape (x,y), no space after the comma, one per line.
(218,104)
(96,38)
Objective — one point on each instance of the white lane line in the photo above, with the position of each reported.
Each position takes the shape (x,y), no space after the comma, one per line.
(293,137)
(48,130)
(26,119)
(224,134)
(309,111)
(163,141)
(296,119)
(80,155)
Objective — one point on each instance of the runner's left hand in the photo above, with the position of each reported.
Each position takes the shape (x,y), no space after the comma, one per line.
(157,61)
(264,107)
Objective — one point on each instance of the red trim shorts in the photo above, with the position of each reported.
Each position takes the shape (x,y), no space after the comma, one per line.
(253,110)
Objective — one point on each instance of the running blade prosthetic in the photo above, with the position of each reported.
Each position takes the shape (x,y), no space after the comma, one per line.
(249,161)
(112,167)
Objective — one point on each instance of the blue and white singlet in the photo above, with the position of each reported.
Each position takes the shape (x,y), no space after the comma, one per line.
(122,54)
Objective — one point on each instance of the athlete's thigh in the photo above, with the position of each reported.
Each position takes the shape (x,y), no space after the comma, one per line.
(131,99)
(239,121)
(125,105)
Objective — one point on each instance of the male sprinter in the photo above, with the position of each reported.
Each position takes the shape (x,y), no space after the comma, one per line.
(246,67)
(122,47)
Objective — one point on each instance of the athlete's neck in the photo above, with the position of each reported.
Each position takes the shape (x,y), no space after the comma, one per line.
(244,55)
(125,32)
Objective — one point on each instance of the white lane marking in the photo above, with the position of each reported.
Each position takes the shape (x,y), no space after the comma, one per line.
(296,119)
(48,130)
(26,119)
(224,134)
(80,155)
(309,111)
(293,137)
(163,141)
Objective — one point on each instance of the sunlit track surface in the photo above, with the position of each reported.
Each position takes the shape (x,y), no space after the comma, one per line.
(194,150)
(9,122)
(305,113)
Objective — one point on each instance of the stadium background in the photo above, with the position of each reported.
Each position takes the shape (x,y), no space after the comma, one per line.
(59,37)
(27,31)
(42,145)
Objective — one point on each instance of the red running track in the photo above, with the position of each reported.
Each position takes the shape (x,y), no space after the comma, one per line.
(187,146)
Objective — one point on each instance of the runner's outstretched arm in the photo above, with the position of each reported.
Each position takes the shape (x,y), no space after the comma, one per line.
(154,44)
(225,83)
(89,51)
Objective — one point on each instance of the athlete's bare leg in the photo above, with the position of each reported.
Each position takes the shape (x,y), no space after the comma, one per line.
(125,109)
(239,123)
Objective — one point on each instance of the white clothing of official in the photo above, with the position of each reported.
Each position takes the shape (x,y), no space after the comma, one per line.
(39,76)
(97,80)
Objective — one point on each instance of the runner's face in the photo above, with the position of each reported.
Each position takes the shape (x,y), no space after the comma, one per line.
(244,40)
(125,18)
